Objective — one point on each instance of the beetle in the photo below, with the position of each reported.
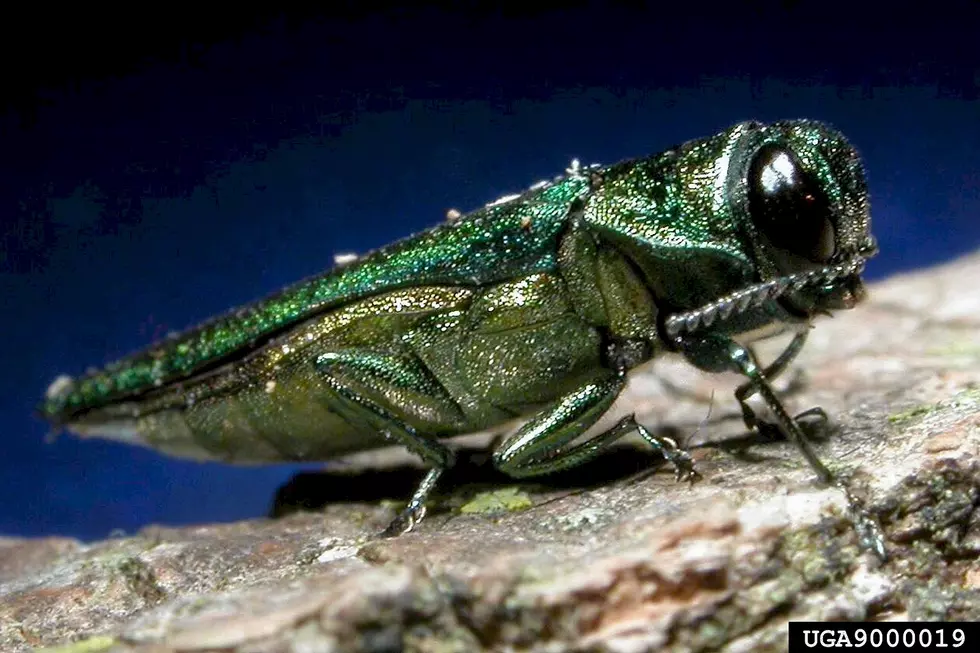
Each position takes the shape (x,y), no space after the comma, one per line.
(536,306)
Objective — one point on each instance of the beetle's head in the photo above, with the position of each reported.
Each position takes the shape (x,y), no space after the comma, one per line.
(807,199)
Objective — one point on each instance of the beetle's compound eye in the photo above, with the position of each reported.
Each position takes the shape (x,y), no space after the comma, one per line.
(788,205)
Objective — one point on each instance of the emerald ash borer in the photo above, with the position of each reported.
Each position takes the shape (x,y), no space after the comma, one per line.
(535,306)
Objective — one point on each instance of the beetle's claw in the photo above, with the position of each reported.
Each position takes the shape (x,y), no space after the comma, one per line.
(404,522)
(683,466)
(871,536)
(690,475)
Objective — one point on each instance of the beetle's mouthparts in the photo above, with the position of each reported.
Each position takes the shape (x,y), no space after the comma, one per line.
(846,293)
(840,286)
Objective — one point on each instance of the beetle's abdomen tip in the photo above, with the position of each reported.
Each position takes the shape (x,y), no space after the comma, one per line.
(121,431)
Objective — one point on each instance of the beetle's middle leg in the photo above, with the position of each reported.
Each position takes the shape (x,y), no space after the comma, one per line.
(536,448)
(383,392)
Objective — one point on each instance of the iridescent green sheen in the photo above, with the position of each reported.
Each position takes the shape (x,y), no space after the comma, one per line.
(673,213)
(535,306)
(487,246)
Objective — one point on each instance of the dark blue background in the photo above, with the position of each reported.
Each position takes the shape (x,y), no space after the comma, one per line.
(156,169)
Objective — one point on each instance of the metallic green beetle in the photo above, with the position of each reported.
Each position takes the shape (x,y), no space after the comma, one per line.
(537,305)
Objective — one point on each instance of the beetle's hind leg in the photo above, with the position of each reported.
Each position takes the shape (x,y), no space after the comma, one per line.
(380,392)
(537,447)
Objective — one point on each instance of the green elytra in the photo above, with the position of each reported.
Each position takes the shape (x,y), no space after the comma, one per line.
(536,306)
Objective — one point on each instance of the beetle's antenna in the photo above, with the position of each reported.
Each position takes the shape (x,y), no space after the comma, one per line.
(711,404)
(704,420)
(757,294)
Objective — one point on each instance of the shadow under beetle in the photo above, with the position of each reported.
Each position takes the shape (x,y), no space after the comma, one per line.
(537,305)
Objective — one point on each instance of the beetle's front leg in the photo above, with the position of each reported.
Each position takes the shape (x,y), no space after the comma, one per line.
(719,354)
(536,448)
(747,389)
(777,367)
(364,385)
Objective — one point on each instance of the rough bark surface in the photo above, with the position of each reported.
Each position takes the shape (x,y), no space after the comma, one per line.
(615,556)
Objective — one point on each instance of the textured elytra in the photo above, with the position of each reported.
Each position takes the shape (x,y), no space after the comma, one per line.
(683,204)
(537,306)
(481,248)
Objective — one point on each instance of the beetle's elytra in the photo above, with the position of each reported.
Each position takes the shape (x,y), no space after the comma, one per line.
(537,305)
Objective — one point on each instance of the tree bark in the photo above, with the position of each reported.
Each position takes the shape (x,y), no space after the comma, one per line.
(614,556)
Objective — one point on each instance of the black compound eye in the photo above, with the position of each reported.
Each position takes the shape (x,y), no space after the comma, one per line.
(789,206)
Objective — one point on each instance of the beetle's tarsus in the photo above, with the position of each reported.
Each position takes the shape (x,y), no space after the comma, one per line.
(413,513)
(405,522)
(688,473)
(871,537)
(681,460)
